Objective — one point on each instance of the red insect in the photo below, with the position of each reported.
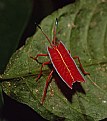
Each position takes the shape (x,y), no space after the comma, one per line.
(63,63)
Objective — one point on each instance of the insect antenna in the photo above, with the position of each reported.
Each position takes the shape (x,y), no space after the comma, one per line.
(54,32)
(44,34)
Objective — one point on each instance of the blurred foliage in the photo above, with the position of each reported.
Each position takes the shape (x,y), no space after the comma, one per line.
(14,16)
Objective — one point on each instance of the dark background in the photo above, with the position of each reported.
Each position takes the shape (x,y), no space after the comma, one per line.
(13,110)
(45,7)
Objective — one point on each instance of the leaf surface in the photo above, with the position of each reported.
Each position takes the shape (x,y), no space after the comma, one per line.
(83,30)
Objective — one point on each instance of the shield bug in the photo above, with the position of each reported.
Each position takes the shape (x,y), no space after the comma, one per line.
(63,63)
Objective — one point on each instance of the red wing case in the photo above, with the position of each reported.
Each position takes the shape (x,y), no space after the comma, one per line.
(64,65)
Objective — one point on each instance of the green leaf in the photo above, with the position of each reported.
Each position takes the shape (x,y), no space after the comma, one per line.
(83,29)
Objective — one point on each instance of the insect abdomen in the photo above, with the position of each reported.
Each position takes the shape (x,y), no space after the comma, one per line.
(64,65)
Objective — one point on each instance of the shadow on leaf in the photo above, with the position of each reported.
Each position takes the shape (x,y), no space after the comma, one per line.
(67,92)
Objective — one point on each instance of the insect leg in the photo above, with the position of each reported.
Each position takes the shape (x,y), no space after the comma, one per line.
(46,86)
(43,64)
(35,58)
(86,73)
(81,67)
